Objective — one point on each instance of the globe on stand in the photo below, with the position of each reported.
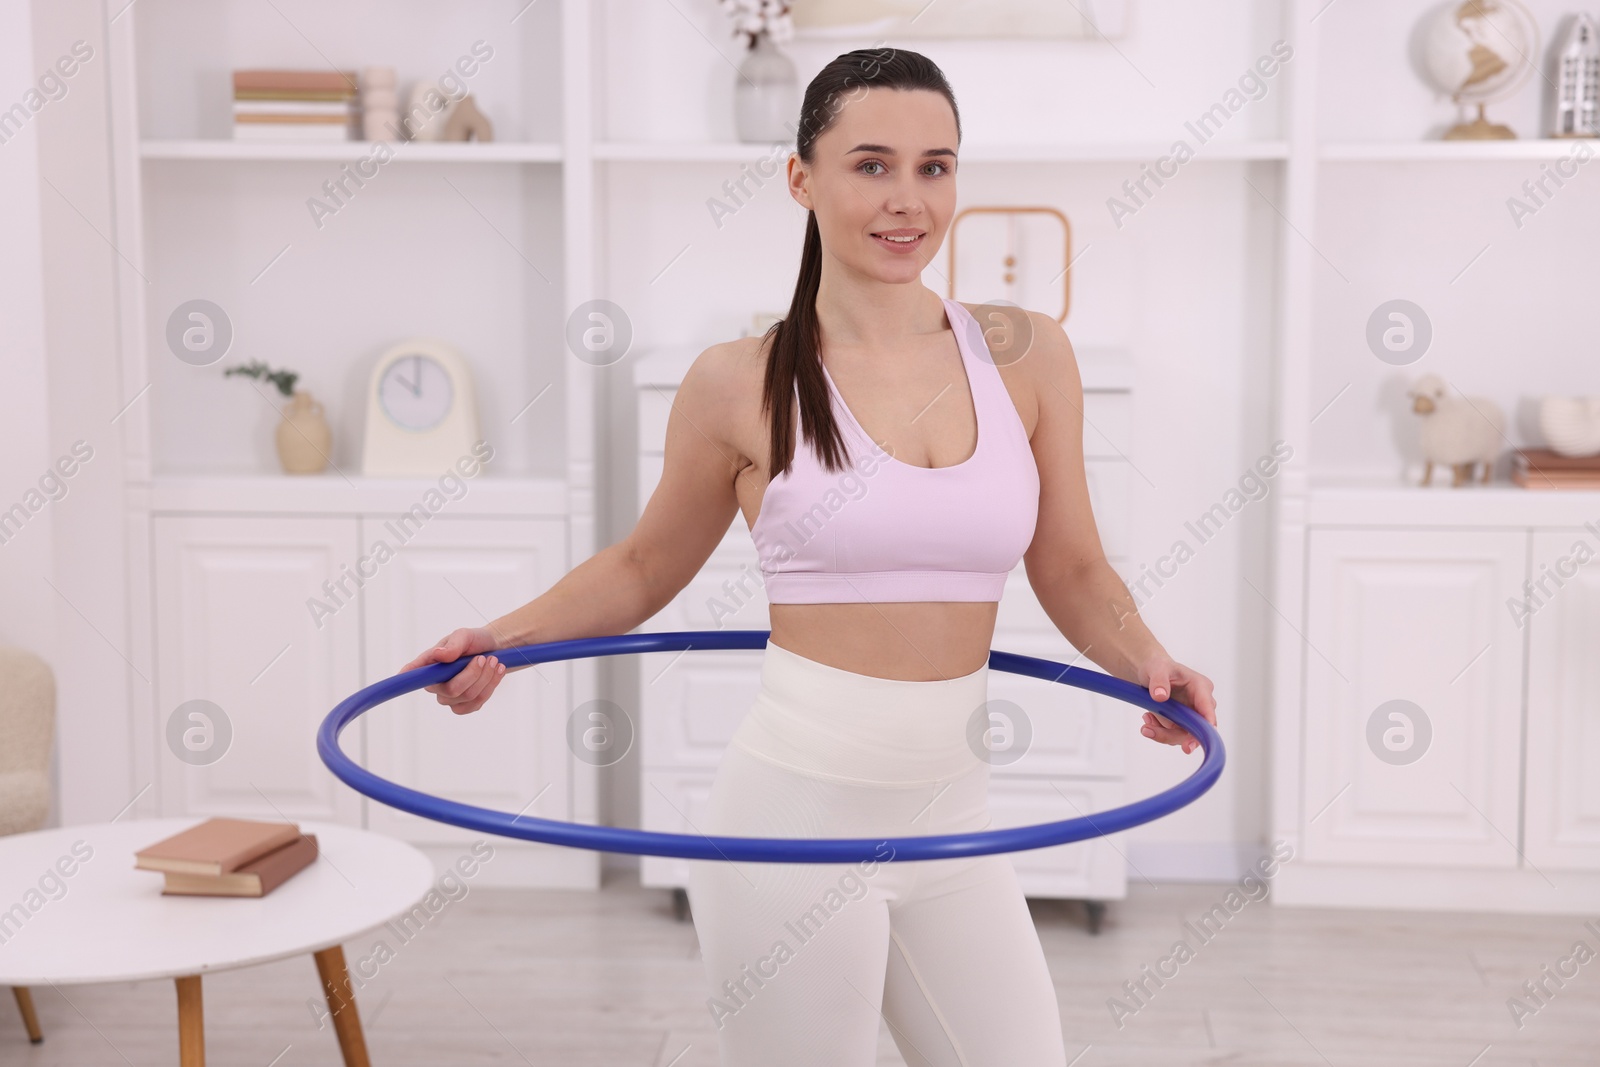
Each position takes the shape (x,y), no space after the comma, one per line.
(1478,52)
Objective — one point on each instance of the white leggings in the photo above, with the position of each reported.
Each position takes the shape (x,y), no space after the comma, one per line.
(804,959)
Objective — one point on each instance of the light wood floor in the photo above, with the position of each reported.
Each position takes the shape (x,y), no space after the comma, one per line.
(566,978)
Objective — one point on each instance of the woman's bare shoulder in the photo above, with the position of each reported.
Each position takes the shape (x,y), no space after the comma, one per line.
(724,372)
(721,391)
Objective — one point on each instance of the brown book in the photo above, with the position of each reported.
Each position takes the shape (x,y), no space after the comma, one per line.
(1543,479)
(296,95)
(303,80)
(1544,459)
(255,879)
(215,846)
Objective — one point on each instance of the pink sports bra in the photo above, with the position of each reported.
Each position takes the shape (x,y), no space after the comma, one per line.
(885,530)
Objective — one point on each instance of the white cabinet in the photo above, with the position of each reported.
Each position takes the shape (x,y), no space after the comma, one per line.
(276,617)
(1433,781)
(510,755)
(1563,815)
(233,628)
(690,703)
(1442,751)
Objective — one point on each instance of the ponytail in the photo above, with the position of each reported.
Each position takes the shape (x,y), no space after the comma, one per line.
(794,343)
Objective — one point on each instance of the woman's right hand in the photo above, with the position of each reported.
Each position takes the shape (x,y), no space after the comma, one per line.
(470,689)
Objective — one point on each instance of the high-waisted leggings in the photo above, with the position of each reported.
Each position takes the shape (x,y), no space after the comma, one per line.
(805,959)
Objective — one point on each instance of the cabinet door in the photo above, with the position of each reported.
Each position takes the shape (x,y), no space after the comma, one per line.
(236,625)
(1417,616)
(510,754)
(1563,798)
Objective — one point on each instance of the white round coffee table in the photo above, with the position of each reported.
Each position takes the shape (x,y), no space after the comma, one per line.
(74,910)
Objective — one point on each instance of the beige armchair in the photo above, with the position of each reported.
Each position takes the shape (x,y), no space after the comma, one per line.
(27,729)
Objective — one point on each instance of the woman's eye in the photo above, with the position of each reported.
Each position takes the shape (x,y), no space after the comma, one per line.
(871,163)
(940,168)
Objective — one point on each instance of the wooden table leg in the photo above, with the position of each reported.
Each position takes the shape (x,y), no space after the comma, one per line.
(30,1018)
(191,1023)
(342,1006)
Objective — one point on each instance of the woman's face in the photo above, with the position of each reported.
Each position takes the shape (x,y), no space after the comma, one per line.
(882,181)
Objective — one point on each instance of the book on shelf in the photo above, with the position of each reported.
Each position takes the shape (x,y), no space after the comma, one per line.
(215,846)
(1540,468)
(276,82)
(294,105)
(291,110)
(254,879)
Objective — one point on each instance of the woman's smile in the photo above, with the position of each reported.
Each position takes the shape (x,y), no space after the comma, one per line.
(902,241)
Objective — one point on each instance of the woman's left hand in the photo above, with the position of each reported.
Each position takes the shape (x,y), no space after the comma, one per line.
(1166,679)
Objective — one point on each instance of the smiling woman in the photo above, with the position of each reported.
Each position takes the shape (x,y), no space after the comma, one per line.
(895,460)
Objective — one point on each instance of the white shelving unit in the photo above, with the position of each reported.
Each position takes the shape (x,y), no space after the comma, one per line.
(226,559)
(1452,151)
(417,152)
(1382,590)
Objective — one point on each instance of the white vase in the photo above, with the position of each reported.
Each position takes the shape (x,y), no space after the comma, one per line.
(766,96)
(1571,424)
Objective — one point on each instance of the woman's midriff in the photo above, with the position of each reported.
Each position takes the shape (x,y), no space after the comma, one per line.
(910,641)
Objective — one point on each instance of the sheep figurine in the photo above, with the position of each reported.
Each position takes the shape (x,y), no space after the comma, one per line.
(1457,431)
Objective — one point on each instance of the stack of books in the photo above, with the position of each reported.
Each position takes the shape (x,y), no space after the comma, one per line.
(1540,468)
(229,858)
(293,105)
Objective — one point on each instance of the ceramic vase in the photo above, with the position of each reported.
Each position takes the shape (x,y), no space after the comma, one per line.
(1571,424)
(304,438)
(766,95)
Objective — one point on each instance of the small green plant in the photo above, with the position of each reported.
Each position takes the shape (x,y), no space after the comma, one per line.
(283,379)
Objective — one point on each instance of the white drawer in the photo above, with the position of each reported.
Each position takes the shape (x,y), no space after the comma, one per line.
(1107,425)
(691,702)
(1091,869)
(1073,731)
(672,802)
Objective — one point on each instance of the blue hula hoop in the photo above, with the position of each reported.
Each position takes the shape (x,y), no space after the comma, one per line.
(759,849)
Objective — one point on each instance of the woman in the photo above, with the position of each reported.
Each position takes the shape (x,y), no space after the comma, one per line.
(886,528)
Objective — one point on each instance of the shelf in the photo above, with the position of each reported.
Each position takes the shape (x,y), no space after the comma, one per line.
(1441,151)
(405,151)
(329,493)
(1498,504)
(686,151)
(1115,152)
(1123,152)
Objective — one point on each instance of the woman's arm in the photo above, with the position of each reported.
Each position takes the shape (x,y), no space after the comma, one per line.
(1066,563)
(626,583)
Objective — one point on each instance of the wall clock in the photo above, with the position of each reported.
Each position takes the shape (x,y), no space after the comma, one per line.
(421,412)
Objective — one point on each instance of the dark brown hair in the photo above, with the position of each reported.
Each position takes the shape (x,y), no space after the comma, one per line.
(794,356)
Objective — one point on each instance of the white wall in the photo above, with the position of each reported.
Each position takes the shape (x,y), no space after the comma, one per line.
(28,618)
(97,664)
